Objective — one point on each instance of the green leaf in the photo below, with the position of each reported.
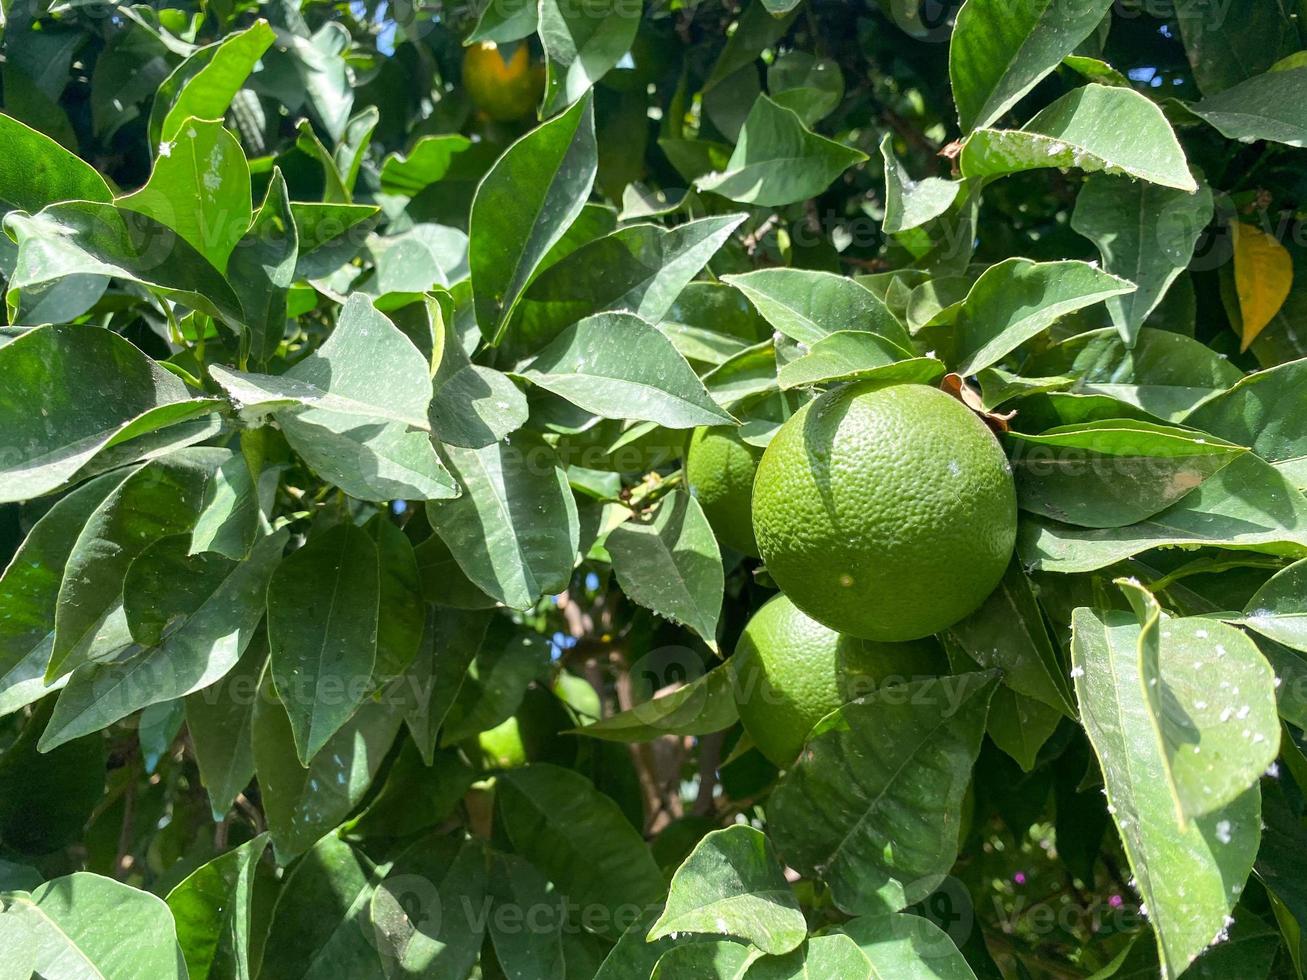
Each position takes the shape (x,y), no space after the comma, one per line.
(522,208)
(846,355)
(1279,608)
(213,909)
(1112,473)
(450,643)
(85,925)
(428,913)
(83,238)
(873,805)
(263,262)
(49,432)
(1261,411)
(578,837)
(321,924)
(705,704)
(505,665)
(514,532)
(36,171)
(778,161)
(415,260)
(536,952)
(204,84)
(1243,40)
(200,189)
(1020,726)
(29,592)
(999,51)
(733,885)
(322,630)
(366,371)
(806,305)
(1247,505)
(1094,128)
(910,203)
(582,44)
(401,615)
(372,460)
(1188,873)
(1017,300)
(617,365)
(1269,106)
(1007,633)
(812,87)
(909,947)
(1150,252)
(642,268)
(672,564)
(160,499)
(428,162)
(834,955)
(302,804)
(219,719)
(475,406)
(1165,374)
(716,960)
(210,607)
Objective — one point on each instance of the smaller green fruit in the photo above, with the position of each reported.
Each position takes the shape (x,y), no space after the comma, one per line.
(791,671)
(719,467)
(501,747)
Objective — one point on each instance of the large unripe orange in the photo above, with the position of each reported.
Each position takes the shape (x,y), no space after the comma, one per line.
(503,89)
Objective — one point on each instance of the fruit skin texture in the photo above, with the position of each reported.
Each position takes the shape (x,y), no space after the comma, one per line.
(885,512)
(719,467)
(790,672)
(503,89)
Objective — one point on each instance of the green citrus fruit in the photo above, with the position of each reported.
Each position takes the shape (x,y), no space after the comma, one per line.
(505,89)
(790,672)
(719,468)
(501,747)
(885,512)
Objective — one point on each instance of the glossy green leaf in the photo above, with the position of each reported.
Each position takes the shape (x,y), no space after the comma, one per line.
(1243,40)
(1017,300)
(1021,726)
(86,925)
(84,238)
(578,837)
(834,955)
(617,365)
(1265,107)
(514,531)
(641,268)
(323,638)
(672,564)
(806,305)
(161,499)
(845,355)
(50,432)
(1189,873)
(868,773)
(733,885)
(1262,411)
(812,87)
(1279,608)
(907,946)
(536,952)
(1246,505)
(321,924)
(213,911)
(475,406)
(778,161)
(401,615)
(1112,473)
(219,720)
(29,592)
(1151,252)
(705,704)
(366,371)
(1000,51)
(714,960)
(507,662)
(302,803)
(430,160)
(202,613)
(910,203)
(450,643)
(37,171)
(523,207)
(582,44)
(200,189)
(1094,128)
(263,262)
(204,84)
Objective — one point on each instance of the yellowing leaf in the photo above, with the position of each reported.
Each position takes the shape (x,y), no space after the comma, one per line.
(1263,276)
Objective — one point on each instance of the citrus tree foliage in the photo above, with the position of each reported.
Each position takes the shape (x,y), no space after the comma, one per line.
(361,616)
